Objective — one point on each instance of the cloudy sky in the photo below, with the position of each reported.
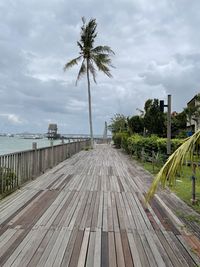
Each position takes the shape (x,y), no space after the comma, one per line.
(157,52)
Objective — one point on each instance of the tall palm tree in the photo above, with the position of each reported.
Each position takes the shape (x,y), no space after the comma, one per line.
(91,57)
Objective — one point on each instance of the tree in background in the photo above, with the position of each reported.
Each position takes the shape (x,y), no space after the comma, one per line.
(179,123)
(135,124)
(190,113)
(154,119)
(118,124)
(90,57)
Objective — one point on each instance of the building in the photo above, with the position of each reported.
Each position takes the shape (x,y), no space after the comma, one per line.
(53,131)
(193,113)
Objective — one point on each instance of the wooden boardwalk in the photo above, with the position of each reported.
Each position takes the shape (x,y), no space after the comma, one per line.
(89,211)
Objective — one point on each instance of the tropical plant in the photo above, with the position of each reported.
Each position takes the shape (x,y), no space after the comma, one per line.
(120,139)
(168,172)
(90,57)
(118,124)
(178,123)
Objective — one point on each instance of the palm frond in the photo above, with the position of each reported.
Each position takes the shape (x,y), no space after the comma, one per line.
(92,70)
(72,62)
(168,172)
(102,64)
(80,46)
(102,58)
(103,49)
(81,72)
(88,34)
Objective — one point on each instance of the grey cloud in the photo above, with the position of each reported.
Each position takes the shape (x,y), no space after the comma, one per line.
(157,52)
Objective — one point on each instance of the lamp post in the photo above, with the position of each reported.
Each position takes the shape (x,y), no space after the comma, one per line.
(162,105)
(169,125)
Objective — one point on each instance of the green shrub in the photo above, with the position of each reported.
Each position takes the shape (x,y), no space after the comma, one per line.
(120,139)
(124,143)
(137,143)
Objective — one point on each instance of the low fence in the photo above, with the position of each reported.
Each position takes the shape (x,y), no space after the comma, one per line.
(20,167)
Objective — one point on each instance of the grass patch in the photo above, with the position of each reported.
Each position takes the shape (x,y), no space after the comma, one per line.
(183,187)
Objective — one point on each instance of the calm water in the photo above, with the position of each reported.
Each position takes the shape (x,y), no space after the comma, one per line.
(16,144)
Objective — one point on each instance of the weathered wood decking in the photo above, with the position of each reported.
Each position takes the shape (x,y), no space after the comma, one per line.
(89,211)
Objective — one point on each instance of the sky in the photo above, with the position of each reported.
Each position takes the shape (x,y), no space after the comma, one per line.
(156,45)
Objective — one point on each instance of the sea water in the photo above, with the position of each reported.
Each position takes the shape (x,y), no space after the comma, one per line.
(17,144)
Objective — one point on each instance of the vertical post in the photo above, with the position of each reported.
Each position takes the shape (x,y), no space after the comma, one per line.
(193,200)
(52,158)
(34,147)
(169,125)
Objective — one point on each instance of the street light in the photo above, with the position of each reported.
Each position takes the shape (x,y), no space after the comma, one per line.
(162,105)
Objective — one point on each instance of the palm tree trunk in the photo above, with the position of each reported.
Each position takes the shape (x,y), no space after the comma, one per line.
(90,106)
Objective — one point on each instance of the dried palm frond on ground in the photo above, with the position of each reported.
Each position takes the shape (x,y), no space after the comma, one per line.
(168,173)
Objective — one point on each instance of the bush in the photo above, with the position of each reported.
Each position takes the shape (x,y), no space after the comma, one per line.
(137,143)
(124,143)
(120,140)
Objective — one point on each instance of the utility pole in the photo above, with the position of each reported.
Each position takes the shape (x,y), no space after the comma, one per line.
(169,104)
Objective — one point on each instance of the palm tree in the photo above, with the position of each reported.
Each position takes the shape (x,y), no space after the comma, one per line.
(91,57)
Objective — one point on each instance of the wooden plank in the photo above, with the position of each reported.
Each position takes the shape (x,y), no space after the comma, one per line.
(38,254)
(100,213)
(97,251)
(48,249)
(148,251)
(193,256)
(91,249)
(17,254)
(95,213)
(69,249)
(61,251)
(111,250)
(157,256)
(78,205)
(131,221)
(105,211)
(104,250)
(172,256)
(162,250)
(119,212)
(181,249)
(91,210)
(84,218)
(55,247)
(31,248)
(119,250)
(126,249)
(170,238)
(142,253)
(134,251)
(83,252)
(81,211)
(6,236)
(109,214)
(114,212)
